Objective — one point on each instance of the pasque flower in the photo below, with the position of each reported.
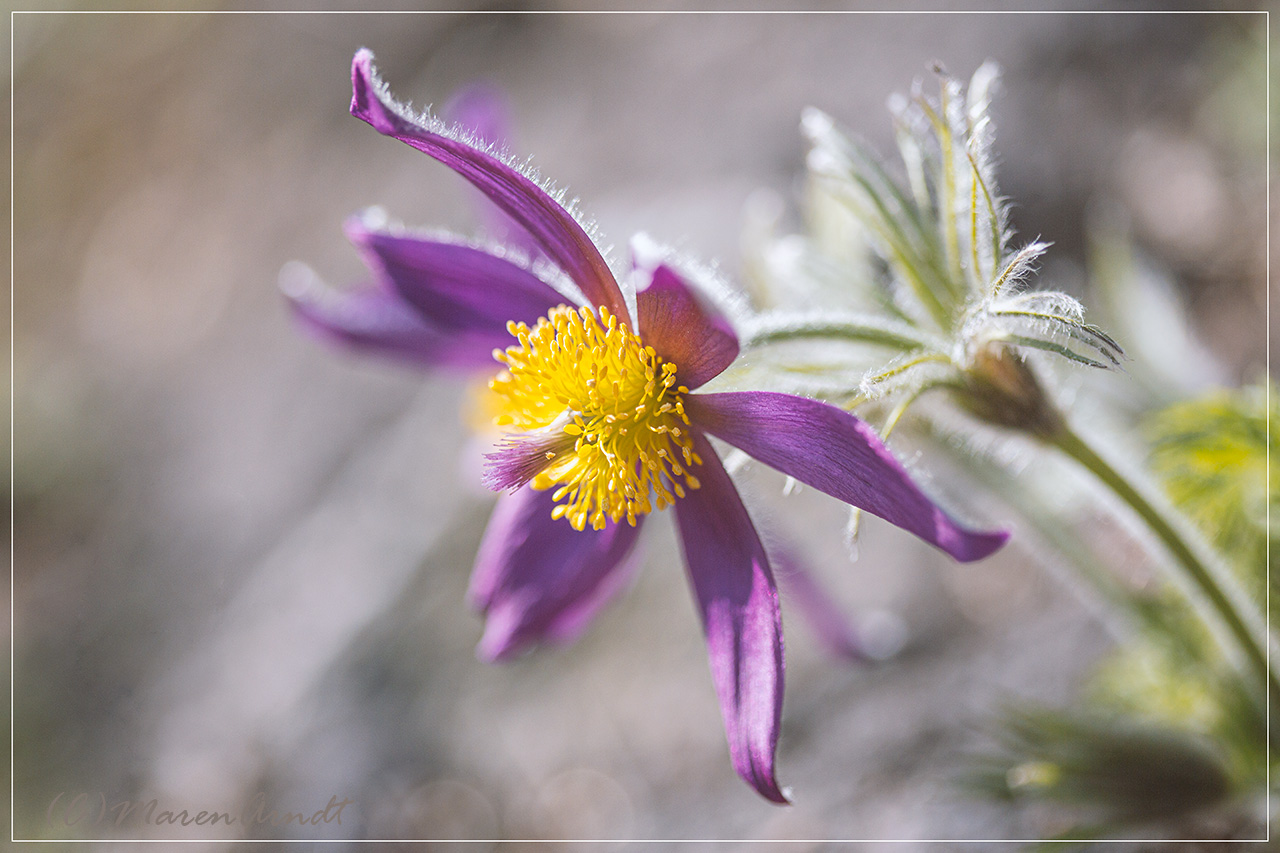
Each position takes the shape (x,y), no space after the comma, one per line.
(596,397)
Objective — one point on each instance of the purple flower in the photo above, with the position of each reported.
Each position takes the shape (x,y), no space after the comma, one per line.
(596,395)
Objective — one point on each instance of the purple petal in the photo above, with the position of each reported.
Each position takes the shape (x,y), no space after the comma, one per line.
(482,109)
(377,321)
(536,578)
(836,453)
(683,330)
(554,228)
(739,607)
(457,288)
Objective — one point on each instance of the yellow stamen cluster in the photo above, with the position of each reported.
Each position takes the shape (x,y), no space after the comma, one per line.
(622,431)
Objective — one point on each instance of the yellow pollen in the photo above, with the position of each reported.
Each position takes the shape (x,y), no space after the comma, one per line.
(620,408)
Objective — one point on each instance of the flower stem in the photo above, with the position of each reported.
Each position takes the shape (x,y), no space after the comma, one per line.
(1213,589)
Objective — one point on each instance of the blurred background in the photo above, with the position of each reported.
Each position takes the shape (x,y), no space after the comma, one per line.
(240,558)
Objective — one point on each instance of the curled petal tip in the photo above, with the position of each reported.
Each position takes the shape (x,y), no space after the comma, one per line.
(362,76)
(968,546)
(768,788)
(551,225)
(362,65)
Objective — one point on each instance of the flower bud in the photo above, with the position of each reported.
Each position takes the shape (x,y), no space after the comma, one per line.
(1000,388)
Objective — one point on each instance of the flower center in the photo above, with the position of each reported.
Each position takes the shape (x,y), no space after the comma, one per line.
(593,411)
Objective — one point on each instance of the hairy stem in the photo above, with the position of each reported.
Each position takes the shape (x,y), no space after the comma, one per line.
(1213,590)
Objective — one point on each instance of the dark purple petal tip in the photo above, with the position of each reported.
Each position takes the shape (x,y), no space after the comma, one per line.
(964,544)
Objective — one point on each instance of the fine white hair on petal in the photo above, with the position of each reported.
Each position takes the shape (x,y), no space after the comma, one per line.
(460,133)
(1018,269)
(648,254)
(1045,301)
(905,374)
(858,326)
